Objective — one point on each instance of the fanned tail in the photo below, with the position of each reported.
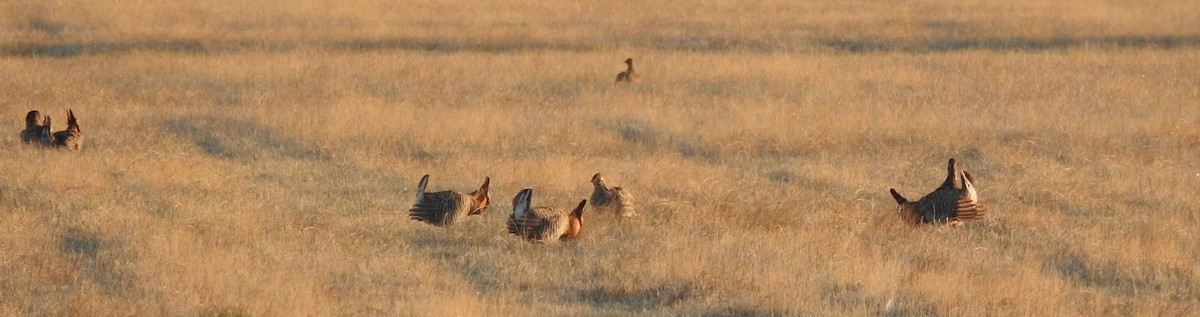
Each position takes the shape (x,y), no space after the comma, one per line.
(516,221)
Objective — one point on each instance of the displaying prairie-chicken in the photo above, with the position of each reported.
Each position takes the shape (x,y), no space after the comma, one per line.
(70,138)
(543,224)
(955,201)
(615,200)
(628,76)
(37,129)
(448,207)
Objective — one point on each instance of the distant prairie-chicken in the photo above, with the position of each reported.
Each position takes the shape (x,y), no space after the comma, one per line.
(70,138)
(543,224)
(448,207)
(614,200)
(628,76)
(37,129)
(955,201)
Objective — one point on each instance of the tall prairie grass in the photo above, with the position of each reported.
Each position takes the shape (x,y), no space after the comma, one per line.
(257,158)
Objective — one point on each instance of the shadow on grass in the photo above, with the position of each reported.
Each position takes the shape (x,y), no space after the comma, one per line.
(31,196)
(439,45)
(869,45)
(99,260)
(678,43)
(852,297)
(222,311)
(1174,283)
(644,133)
(662,296)
(744,312)
(1076,268)
(240,139)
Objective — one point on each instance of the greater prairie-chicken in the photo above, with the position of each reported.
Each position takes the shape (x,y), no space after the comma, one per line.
(70,138)
(37,129)
(543,224)
(628,76)
(448,207)
(955,201)
(615,200)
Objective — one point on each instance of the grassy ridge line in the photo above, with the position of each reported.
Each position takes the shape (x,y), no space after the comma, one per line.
(689,44)
(71,27)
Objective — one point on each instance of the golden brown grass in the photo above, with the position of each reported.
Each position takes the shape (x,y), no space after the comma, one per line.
(243,161)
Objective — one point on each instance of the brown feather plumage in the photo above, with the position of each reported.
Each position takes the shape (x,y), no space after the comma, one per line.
(955,201)
(446,208)
(72,137)
(611,200)
(629,76)
(543,224)
(37,129)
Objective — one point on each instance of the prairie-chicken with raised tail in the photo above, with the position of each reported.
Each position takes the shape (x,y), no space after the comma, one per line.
(955,201)
(70,138)
(614,200)
(448,207)
(543,224)
(37,129)
(628,76)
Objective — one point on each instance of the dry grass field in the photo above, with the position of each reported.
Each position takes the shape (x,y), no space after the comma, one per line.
(257,158)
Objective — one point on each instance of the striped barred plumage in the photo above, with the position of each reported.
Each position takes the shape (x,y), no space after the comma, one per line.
(446,208)
(543,224)
(955,201)
(615,200)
